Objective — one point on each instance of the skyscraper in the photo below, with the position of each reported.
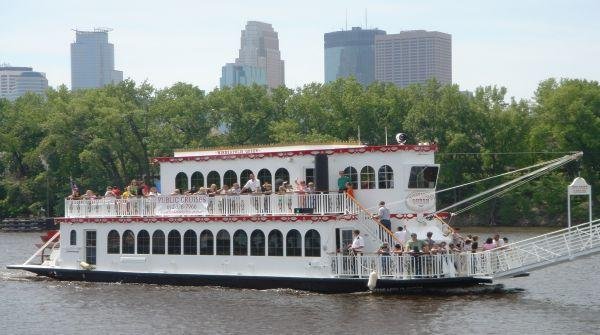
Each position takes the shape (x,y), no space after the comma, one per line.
(16,81)
(259,51)
(351,53)
(413,56)
(93,60)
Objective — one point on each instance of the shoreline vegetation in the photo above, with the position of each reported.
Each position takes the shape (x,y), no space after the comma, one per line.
(108,136)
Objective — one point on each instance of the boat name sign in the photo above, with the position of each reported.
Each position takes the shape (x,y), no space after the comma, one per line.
(182,205)
(420,201)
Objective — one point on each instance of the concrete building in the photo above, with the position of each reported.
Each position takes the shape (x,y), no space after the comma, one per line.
(351,53)
(259,50)
(413,56)
(16,81)
(93,60)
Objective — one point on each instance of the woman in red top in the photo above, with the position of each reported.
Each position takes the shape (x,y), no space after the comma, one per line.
(349,190)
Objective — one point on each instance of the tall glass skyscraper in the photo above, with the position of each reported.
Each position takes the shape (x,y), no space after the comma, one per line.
(93,60)
(16,81)
(351,53)
(259,58)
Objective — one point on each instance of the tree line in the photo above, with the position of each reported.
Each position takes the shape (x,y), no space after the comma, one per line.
(108,136)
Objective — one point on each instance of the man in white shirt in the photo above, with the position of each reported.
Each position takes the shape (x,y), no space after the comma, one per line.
(498,241)
(358,243)
(252,184)
(384,215)
(400,235)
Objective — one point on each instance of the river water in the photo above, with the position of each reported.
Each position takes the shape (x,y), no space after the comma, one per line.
(564,299)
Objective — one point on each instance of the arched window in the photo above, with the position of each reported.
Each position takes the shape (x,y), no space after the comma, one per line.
(275,243)
(213,177)
(245,176)
(293,243)
(181,182)
(73,237)
(351,172)
(207,243)
(312,244)
(240,243)
(190,243)
(367,178)
(264,175)
(197,180)
(229,178)
(223,243)
(281,175)
(158,242)
(174,243)
(128,243)
(386,177)
(113,242)
(143,242)
(257,243)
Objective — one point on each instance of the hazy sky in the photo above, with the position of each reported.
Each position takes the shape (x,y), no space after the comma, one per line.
(508,43)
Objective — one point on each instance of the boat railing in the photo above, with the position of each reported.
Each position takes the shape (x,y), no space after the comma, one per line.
(204,205)
(408,266)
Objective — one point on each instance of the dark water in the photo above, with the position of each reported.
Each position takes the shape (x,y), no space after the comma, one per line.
(564,299)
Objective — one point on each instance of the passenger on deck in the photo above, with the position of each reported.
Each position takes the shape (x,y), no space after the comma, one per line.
(358,243)
(342,181)
(224,190)
(252,185)
(175,192)
(489,244)
(475,243)
(109,192)
(498,242)
(153,192)
(383,214)
(398,250)
(429,241)
(74,196)
(400,234)
(235,189)
(467,247)
(415,246)
(267,189)
(212,190)
(89,195)
(349,190)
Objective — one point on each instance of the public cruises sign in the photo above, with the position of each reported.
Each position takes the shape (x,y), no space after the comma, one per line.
(579,187)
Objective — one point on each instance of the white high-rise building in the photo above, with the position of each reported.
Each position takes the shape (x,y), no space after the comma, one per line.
(93,60)
(412,57)
(260,50)
(16,81)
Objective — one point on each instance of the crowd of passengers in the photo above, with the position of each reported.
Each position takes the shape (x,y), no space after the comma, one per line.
(138,188)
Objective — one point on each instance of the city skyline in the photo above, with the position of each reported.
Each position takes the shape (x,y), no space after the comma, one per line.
(513,44)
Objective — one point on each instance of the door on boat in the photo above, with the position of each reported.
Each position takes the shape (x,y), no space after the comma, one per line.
(90,247)
(343,237)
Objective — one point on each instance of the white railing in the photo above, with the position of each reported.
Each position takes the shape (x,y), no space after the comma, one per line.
(194,205)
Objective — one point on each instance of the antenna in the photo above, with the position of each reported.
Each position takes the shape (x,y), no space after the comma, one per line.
(366,25)
(346,19)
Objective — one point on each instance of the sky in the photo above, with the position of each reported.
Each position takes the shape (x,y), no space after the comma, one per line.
(508,43)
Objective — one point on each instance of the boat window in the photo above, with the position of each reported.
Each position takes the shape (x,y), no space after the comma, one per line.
(181,182)
(275,243)
(351,172)
(240,243)
(293,243)
(312,244)
(386,177)
(90,247)
(158,242)
(257,243)
(73,237)
(229,178)
(264,175)
(206,243)
(367,178)
(244,177)
(143,242)
(213,177)
(223,244)
(113,242)
(197,180)
(281,175)
(174,243)
(423,177)
(128,242)
(190,243)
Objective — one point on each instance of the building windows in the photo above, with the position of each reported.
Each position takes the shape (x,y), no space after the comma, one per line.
(257,243)
(143,242)
(351,172)
(264,175)
(174,243)
(281,175)
(275,243)
(197,180)
(128,242)
(113,242)
(229,178)
(423,177)
(223,243)
(73,237)
(293,243)
(158,242)
(312,244)
(190,243)
(386,177)
(213,177)
(367,178)
(207,243)
(240,243)
(181,182)
(244,177)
